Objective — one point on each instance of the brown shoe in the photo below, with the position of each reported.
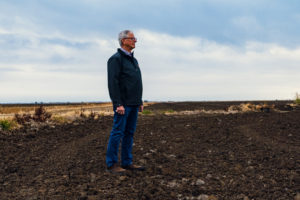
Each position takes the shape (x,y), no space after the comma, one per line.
(115,169)
(134,167)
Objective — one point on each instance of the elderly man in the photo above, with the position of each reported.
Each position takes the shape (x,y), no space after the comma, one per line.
(125,90)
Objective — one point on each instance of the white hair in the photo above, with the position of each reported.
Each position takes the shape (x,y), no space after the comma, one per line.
(122,35)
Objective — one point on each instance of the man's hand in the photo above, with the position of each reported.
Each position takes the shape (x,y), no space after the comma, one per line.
(120,110)
(141,108)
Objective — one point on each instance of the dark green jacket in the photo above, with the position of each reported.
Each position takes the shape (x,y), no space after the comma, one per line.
(124,80)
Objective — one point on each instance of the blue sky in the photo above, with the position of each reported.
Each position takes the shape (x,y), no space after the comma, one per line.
(54,50)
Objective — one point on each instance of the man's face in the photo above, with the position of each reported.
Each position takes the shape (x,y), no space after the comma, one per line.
(129,41)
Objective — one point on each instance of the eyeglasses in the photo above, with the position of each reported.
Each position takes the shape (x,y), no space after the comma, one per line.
(131,38)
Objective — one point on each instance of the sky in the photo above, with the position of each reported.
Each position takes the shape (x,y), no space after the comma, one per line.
(188,50)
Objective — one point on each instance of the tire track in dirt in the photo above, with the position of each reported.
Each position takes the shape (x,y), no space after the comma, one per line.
(250,132)
(52,160)
(64,155)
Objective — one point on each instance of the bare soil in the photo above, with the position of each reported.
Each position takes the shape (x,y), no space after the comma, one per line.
(252,155)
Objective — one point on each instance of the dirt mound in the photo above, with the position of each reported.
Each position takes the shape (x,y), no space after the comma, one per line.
(252,155)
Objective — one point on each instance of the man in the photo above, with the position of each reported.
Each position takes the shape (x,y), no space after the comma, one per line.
(125,90)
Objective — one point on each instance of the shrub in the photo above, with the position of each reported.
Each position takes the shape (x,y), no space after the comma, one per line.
(41,115)
(22,119)
(92,115)
(6,124)
(82,115)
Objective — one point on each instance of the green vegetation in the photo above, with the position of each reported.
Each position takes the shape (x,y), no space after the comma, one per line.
(7,125)
(297,100)
(147,112)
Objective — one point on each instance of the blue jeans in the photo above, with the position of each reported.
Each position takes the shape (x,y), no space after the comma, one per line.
(123,130)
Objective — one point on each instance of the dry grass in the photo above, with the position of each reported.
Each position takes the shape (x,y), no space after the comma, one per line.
(244,107)
(16,109)
(12,109)
(64,112)
(250,107)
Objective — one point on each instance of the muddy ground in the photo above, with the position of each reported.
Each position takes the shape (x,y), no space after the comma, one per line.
(253,155)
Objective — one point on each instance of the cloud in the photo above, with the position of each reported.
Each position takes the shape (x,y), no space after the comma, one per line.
(187,50)
(227,22)
(52,66)
(177,68)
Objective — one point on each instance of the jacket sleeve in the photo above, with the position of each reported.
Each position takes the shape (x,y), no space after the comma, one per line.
(114,72)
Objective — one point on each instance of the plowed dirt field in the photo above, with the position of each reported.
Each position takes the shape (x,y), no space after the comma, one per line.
(244,155)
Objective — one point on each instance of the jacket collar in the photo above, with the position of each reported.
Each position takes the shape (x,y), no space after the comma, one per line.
(125,53)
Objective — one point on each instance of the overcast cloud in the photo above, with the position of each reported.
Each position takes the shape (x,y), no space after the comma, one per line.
(188,50)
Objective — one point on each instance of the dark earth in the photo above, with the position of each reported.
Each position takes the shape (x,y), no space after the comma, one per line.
(250,155)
